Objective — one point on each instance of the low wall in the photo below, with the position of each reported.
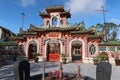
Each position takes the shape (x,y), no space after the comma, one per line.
(90,60)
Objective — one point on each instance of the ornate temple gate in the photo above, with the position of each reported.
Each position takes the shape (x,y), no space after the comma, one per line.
(57,36)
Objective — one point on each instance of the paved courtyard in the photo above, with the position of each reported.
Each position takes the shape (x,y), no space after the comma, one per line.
(6,71)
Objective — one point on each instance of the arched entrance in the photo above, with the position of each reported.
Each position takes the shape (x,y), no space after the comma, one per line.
(54,21)
(76,50)
(53,50)
(21,49)
(32,48)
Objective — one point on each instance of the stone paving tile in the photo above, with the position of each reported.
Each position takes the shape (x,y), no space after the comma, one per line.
(6,72)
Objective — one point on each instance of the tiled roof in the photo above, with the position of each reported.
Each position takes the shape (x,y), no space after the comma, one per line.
(55,9)
(33,28)
(8,43)
(27,33)
(43,14)
(96,35)
(7,30)
(65,13)
(82,32)
(17,37)
(110,43)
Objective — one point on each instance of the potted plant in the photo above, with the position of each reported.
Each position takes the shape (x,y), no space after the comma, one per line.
(64,58)
(35,56)
(95,60)
(14,55)
(116,55)
(100,57)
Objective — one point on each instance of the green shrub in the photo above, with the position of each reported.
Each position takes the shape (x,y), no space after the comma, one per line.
(35,54)
(100,57)
(64,57)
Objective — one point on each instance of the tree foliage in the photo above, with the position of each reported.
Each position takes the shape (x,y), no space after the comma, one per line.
(81,26)
(112,30)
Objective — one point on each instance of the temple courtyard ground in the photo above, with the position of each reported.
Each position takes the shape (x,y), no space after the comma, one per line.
(6,71)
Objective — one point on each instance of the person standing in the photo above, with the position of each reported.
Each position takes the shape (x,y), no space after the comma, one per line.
(103,70)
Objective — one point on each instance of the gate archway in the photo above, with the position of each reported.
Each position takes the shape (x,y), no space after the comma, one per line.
(76,50)
(32,47)
(53,50)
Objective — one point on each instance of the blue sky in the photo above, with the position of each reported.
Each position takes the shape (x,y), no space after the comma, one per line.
(81,10)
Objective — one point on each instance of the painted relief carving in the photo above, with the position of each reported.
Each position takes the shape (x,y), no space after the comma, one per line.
(92,49)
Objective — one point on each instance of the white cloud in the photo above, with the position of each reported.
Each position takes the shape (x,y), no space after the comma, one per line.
(84,6)
(26,3)
(115,20)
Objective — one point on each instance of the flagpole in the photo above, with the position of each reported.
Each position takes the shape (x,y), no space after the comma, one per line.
(103,11)
(23,16)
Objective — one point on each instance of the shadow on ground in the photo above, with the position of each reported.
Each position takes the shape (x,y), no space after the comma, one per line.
(88,78)
(39,77)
